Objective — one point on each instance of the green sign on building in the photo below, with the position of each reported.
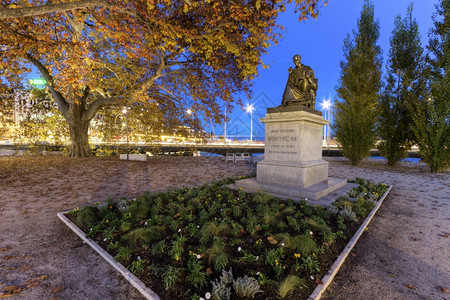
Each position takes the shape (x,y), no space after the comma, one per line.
(38,82)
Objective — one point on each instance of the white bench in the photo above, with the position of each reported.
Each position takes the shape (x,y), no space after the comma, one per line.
(141,157)
(235,157)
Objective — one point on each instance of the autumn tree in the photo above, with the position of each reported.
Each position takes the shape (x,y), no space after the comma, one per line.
(431,114)
(358,89)
(166,55)
(404,86)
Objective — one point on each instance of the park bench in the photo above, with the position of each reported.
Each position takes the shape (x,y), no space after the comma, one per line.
(235,157)
(141,157)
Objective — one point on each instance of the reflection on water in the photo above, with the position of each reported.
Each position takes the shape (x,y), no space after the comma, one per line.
(408,159)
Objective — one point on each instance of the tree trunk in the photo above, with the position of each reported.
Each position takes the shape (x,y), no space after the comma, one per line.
(79,140)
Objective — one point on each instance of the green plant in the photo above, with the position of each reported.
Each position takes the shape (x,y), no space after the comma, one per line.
(139,209)
(341,223)
(87,216)
(310,264)
(113,246)
(246,287)
(212,229)
(170,276)
(289,284)
(125,226)
(359,88)
(262,198)
(303,244)
(220,291)
(348,214)
(138,265)
(269,217)
(159,247)
(144,235)
(196,276)
(124,255)
(274,258)
(217,255)
(263,279)
(177,247)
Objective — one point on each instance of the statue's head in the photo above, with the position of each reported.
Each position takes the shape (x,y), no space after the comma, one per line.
(297,60)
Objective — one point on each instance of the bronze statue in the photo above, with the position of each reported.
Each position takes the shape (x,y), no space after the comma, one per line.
(301,87)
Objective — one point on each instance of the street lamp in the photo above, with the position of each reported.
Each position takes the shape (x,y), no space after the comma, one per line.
(326,104)
(126,117)
(249,108)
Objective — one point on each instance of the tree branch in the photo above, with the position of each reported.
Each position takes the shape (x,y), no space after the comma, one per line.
(60,100)
(48,8)
(94,106)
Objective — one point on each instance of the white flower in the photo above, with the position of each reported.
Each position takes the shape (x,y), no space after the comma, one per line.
(145,223)
(239,248)
(257,259)
(257,273)
(208,295)
(104,239)
(199,256)
(306,199)
(179,230)
(311,233)
(138,258)
(282,244)
(201,298)
(198,226)
(312,277)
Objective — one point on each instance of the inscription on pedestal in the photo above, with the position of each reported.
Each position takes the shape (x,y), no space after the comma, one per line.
(281,141)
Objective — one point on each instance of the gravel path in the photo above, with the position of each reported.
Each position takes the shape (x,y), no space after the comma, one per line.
(404,254)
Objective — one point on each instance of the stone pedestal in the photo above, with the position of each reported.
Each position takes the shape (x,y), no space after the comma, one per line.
(293,164)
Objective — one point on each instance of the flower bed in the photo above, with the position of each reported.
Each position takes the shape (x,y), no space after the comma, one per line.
(218,243)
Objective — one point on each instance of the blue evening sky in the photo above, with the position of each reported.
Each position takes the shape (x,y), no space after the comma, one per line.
(320,43)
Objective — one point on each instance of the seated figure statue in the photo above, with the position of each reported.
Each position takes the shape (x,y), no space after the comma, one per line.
(301,87)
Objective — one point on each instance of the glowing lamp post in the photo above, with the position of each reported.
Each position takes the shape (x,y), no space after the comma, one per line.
(326,104)
(249,109)
(126,117)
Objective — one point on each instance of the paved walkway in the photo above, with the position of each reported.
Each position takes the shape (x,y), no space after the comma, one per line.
(403,255)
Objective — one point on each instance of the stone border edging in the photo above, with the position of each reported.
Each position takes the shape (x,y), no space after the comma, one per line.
(327,279)
(150,295)
(142,288)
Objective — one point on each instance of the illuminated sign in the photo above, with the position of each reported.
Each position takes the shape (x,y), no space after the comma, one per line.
(38,82)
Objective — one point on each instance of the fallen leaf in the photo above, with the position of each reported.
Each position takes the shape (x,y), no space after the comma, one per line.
(24,268)
(390,246)
(7,257)
(272,240)
(445,235)
(10,268)
(318,281)
(36,281)
(4,248)
(409,286)
(208,271)
(353,254)
(12,289)
(5,295)
(57,289)
(443,289)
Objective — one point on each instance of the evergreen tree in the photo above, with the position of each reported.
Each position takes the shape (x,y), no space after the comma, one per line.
(431,115)
(359,88)
(404,87)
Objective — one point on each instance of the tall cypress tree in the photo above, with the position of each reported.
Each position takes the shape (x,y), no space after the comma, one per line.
(404,87)
(431,115)
(359,88)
